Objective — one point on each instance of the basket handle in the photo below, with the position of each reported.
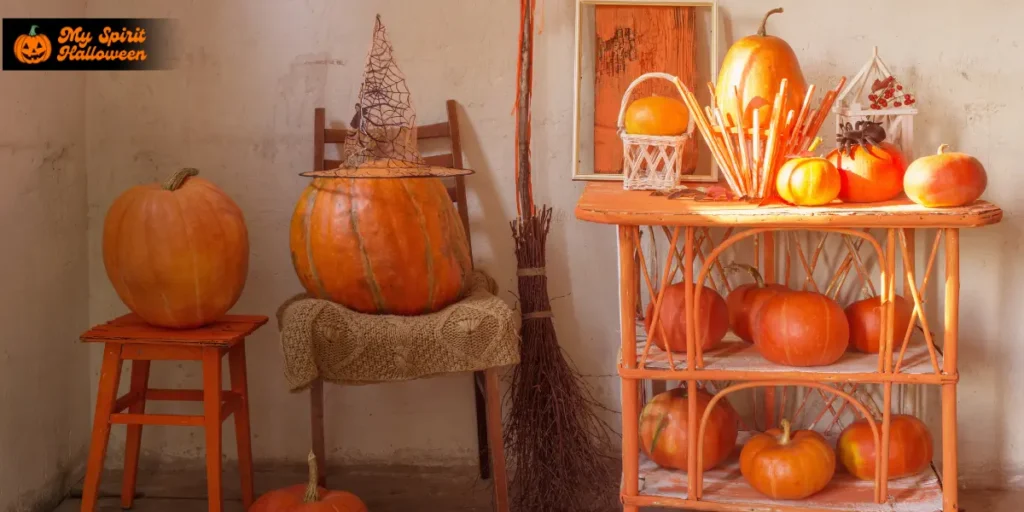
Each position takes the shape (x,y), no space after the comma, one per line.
(674,80)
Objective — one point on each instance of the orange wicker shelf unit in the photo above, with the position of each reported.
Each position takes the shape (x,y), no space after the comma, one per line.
(696,237)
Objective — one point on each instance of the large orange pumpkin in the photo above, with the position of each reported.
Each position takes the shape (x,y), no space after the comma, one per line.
(380,245)
(177,253)
(308,497)
(865,318)
(801,328)
(808,181)
(744,302)
(870,175)
(945,179)
(657,115)
(756,65)
(663,429)
(910,447)
(785,465)
(711,311)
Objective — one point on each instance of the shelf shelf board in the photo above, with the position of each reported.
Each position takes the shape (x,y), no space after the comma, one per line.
(725,489)
(608,203)
(735,359)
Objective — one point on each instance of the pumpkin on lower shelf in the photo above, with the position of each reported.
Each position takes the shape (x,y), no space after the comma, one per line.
(380,245)
(657,115)
(176,253)
(865,318)
(801,328)
(871,169)
(308,497)
(711,310)
(787,465)
(746,300)
(663,429)
(910,447)
(945,179)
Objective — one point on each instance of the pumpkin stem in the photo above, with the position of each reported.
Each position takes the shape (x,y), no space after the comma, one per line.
(943,148)
(32,30)
(785,432)
(748,269)
(312,490)
(814,145)
(763,31)
(174,182)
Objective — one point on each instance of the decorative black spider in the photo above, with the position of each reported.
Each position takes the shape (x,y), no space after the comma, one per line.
(864,133)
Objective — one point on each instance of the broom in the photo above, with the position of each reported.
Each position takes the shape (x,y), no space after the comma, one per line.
(560,449)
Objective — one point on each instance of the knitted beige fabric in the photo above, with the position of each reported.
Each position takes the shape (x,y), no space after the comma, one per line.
(323,339)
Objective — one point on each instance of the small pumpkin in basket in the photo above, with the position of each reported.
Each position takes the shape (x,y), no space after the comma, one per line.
(663,429)
(865,318)
(910,447)
(711,311)
(176,253)
(308,497)
(808,180)
(755,66)
(801,328)
(657,115)
(787,465)
(870,168)
(945,179)
(744,302)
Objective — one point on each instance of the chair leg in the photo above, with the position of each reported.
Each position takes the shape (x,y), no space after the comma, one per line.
(240,385)
(481,425)
(133,441)
(494,435)
(110,376)
(212,411)
(316,423)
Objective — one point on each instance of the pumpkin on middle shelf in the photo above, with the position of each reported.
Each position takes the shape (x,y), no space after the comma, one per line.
(871,169)
(711,310)
(865,318)
(746,300)
(801,328)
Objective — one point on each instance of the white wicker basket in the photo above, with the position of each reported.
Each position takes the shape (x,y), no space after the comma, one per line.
(651,162)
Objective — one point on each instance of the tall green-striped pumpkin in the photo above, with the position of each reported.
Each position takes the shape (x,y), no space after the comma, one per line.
(381,245)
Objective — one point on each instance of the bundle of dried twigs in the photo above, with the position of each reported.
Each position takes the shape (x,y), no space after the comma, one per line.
(559,447)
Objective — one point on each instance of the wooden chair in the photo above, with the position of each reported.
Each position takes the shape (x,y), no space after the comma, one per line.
(486,390)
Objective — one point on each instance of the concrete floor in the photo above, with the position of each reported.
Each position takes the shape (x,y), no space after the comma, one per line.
(383,490)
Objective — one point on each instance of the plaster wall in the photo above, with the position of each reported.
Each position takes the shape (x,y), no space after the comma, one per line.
(239,107)
(44,383)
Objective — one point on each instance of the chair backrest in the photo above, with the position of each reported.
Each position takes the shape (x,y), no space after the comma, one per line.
(448,129)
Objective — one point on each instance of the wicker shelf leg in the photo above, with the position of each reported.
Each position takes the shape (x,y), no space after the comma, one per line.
(316,423)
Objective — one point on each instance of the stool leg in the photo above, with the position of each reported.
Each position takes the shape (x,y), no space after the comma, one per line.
(211,410)
(494,435)
(133,442)
(110,376)
(239,384)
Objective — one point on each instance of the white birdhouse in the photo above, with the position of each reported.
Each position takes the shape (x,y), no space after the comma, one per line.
(875,95)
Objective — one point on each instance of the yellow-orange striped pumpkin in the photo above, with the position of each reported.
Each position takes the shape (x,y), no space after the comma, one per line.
(380,245)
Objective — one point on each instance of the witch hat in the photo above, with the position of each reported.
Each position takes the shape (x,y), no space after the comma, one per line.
(384,142)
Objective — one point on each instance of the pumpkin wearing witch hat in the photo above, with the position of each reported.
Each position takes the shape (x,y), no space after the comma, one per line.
(380,234)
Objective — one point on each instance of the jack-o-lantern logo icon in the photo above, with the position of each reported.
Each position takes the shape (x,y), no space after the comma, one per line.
(32,48)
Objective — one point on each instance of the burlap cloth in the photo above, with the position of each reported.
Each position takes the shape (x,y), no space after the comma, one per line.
(323,339)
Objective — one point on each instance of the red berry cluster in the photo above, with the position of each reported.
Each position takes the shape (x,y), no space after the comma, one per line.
(889,92)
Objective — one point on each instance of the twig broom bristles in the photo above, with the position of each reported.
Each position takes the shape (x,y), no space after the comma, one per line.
(559,447)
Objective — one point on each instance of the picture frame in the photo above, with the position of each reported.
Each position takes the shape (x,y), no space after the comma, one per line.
(584,81)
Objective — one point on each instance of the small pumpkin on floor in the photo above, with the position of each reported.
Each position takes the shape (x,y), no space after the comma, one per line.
(308,497)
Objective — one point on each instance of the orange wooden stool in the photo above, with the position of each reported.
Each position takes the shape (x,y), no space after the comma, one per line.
(129,338)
